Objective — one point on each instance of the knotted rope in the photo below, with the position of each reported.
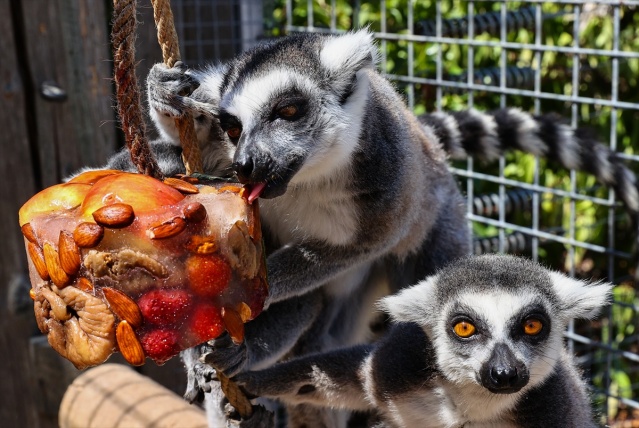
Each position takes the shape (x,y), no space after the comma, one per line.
(127,89)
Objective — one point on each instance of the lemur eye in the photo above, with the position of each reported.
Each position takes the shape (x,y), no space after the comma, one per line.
(234,132)
(464,329)
(287,111)
(533,326)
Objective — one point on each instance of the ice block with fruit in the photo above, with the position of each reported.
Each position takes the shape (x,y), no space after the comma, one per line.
(124,262)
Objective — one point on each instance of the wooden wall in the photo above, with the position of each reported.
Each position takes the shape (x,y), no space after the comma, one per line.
(43,138)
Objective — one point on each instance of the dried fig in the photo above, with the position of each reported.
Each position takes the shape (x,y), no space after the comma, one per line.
(79,326)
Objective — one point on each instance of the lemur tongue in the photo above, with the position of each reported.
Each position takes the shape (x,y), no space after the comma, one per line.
(256,191)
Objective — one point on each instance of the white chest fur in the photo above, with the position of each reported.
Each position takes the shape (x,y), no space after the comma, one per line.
(325,213)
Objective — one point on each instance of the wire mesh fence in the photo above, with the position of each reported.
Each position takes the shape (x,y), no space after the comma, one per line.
(577,58)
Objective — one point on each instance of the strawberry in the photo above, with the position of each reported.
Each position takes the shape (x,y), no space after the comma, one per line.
(206,322)
(165,306)
(160,344)
(208,274)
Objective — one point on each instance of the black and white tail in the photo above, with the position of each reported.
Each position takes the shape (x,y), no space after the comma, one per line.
(486,136)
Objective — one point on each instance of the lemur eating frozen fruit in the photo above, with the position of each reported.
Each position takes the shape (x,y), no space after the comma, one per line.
(355,193)
(479,344)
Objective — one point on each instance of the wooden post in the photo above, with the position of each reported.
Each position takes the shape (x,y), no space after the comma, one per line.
(115,395)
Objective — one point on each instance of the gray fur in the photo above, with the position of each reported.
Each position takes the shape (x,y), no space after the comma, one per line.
(422,374)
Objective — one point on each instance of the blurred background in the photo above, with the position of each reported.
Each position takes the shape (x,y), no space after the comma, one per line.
(576,58)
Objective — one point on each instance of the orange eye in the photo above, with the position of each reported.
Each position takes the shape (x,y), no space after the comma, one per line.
(288,111)
(533,326)
(464,329)
(234,132)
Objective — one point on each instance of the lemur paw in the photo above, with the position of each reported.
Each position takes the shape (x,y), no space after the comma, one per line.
(169,89)
(226,356)
(198,375)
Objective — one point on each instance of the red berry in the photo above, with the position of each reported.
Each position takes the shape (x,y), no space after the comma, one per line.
(208,275)
(160,344)
(165,306)
(206,322)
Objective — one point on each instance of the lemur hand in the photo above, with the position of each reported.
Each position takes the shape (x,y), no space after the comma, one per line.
(169,90)
(224,355)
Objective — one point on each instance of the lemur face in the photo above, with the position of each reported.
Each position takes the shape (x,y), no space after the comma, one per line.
(292,121)
(501,341)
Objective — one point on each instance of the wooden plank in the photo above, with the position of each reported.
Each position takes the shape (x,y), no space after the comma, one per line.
(67,45)
(16,187)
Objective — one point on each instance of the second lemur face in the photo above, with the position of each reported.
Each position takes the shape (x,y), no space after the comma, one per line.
(496,322)
(293,108)
(501,341)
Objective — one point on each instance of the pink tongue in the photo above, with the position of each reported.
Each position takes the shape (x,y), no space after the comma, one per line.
(256,191)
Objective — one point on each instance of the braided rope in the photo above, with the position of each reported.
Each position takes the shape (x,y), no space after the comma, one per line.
(167,37)
(235,396)
(127,89)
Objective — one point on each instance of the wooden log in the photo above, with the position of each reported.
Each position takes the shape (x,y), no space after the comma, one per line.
(114,395)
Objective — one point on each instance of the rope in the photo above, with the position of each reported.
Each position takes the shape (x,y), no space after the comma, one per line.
(235,396)
(127,89)
(167,37)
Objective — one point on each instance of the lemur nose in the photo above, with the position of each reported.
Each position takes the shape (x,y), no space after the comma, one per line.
(504,376)
(503,373)
(243,167)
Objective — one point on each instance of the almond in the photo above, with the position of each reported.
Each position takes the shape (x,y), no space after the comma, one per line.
(115,215)
(245,311)
(123,306)
(231,188)
(85,285)
(29,233)
(188,178)
(233,323)
(37,257)
(194,212)
(167,229)
(88,235)
(129,344)
(52,260)
(181,185)
(69,253)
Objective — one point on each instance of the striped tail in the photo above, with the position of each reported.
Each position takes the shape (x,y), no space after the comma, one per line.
(485,136)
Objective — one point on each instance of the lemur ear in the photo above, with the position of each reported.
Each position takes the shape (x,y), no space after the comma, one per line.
(343,56)
(580,299)
(412,304)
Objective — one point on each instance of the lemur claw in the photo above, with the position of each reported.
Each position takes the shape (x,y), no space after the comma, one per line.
(199,376)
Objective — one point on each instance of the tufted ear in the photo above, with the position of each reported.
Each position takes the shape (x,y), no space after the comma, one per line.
(343,56)
(580,299)
(412,304)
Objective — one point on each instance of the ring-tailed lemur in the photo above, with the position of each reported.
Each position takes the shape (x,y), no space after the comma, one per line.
(356,197)
(479,344)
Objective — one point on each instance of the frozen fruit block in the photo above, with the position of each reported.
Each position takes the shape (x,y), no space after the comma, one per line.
(125,262)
